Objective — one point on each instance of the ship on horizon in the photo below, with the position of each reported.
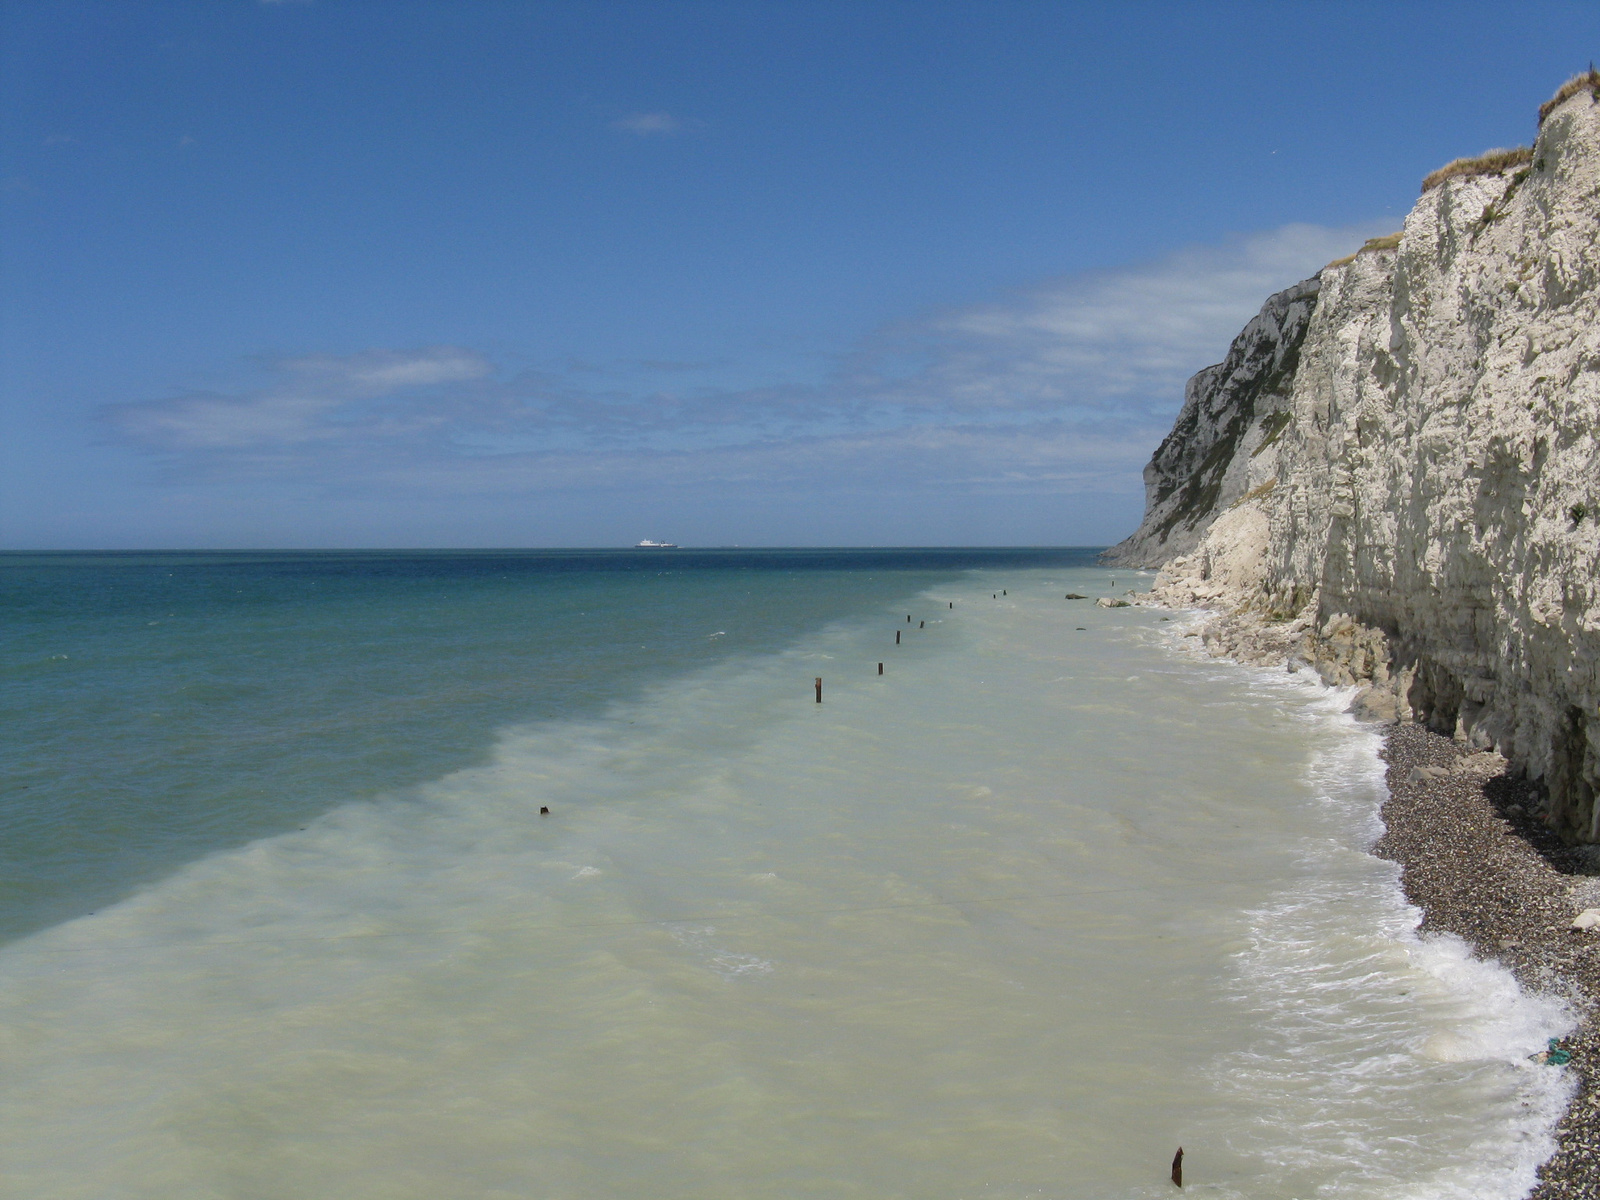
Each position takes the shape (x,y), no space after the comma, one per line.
(647,544)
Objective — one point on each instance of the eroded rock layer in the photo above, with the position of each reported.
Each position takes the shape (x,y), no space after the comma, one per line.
(1394,476)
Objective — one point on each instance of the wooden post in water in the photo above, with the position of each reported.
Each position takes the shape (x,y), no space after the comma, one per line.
(896,637)
(819,689)
(922,624)
(880,668)
(952,604)
(1177,1167)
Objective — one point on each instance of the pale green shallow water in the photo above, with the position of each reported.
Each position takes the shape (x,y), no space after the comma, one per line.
(1015,919)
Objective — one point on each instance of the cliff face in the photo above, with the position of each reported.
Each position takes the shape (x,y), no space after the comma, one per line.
(1231,412)
(1409,495)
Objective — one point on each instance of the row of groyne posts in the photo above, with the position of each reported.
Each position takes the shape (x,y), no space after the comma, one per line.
(920,624)
(1177,1159)
(923,624)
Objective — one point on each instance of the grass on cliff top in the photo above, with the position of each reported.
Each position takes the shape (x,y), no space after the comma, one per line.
(1490,162)
(1588,81)
(1388,241)
(1494,162)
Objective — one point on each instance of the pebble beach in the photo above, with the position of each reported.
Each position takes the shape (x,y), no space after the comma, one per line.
(1479,864)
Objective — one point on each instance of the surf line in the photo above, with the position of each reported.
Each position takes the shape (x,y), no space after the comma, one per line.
(793,912)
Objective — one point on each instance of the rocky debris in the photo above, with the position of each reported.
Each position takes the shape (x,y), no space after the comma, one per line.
(1376,706)
(1423,774)
(1109,602)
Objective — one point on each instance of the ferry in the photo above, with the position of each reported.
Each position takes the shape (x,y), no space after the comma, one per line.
(647,544)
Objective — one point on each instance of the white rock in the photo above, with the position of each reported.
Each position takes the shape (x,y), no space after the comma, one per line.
(1425,774)
(1404,454)
(1587,919)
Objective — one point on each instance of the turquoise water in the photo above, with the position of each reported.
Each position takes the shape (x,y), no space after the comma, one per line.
(154,707)
(1046,899)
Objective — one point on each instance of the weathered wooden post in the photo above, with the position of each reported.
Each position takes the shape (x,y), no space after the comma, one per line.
(1177,1167)
(819,689)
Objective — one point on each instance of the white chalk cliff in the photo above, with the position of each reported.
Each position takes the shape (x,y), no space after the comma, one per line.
(1394,477)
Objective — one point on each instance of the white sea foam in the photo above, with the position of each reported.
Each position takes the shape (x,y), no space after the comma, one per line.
(1014,919)
(1360,1016)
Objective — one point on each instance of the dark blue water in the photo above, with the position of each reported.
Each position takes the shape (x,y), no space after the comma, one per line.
(155,707)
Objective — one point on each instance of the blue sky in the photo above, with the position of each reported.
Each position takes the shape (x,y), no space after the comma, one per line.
(334,273)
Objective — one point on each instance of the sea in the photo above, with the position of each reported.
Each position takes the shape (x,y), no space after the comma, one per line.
(547,874)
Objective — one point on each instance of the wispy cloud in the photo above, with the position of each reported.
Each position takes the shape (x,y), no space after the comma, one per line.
(1126,337)
(379,372)
(1060,387)
(1050,457)
(319,399)
(648,124)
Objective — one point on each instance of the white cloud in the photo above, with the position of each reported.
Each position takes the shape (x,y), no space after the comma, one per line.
(218,423)
(1061,387)
(321,400)
(1112,337)
(1048,458)
(646,124)
(378,372)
